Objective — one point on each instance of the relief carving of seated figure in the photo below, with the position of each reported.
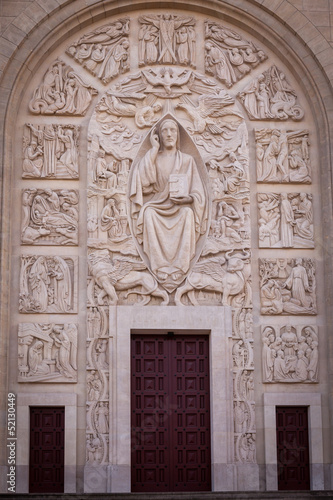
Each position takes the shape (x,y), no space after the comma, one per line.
(168,205)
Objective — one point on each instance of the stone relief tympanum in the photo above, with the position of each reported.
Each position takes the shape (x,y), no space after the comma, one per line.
(47,352)
(50,152)
(105,51)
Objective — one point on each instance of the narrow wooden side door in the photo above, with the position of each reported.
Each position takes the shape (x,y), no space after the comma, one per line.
(47,451)
(292,448)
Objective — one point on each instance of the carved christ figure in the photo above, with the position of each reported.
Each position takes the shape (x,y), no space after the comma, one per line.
(168,205)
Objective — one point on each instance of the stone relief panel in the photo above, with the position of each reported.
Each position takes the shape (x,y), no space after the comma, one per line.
(228,56)
(50,152)
(283,156)
(62,92)
(271,97)
(287,286)
(285,220)
(47,352)
(104,52)
(290,353)
(167,39)
(50,217)
(48,284)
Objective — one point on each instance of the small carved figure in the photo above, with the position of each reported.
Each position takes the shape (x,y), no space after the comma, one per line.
(102,412)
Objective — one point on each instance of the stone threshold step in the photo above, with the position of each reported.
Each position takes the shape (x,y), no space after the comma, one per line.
(266,495)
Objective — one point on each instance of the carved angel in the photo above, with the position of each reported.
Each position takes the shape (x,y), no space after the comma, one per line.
(209,108)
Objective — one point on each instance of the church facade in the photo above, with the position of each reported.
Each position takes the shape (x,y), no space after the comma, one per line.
(166,307)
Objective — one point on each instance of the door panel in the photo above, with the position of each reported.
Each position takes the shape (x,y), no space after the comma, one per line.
(292,448)
(170,413)
(46,464)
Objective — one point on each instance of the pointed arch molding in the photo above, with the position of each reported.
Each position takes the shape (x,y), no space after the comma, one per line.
(275,29)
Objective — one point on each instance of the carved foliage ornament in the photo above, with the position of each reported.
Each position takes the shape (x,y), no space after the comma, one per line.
(104,52)
(47,352)
(50,217)
(50,152)
(62,92)
(228,56)
(271,97)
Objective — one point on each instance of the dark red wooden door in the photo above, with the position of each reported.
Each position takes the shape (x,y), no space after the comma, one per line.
(170,413)
(292,448)
(47,435)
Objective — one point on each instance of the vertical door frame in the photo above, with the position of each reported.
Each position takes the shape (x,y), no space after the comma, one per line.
(24,402)
(212,320)
(313,402)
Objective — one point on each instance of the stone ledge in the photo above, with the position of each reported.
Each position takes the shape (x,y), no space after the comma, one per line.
(226,495)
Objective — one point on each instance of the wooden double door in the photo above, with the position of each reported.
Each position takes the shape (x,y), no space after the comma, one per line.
(170,415)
